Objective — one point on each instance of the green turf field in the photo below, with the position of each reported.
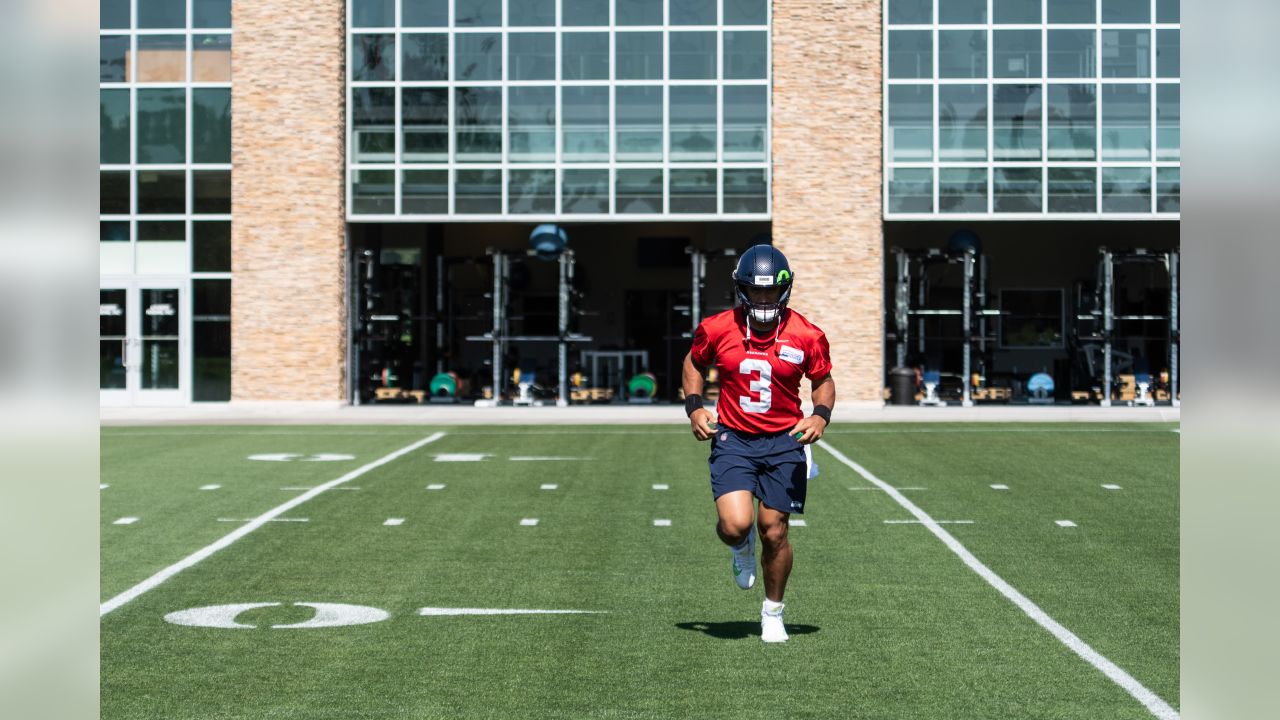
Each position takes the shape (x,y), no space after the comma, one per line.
(886,620)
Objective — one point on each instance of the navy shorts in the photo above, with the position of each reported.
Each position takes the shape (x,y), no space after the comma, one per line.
(774,468)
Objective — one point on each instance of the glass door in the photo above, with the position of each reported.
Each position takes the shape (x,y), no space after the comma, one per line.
(143,343)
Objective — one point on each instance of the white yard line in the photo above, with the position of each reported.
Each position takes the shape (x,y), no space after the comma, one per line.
(1115,673)
(190,560)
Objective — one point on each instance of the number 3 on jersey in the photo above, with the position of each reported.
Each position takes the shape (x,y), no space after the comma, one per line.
(760,387)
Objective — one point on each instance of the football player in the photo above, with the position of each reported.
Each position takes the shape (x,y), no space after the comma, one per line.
(759,446)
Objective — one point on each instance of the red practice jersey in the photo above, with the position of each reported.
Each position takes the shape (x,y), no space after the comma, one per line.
(760,377)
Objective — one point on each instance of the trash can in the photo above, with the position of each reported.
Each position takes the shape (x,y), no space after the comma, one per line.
(902,386)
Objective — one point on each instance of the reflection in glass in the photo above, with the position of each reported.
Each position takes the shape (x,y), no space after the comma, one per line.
(211,192)
(425,192)
(478,125)
(162,58)
(638,12)
(585,191)
(1126,11)
(962,122)
(1167,11)
(477,13)
(584,56)
(211,58)
(910,12)
(693,55)
(1072,122)
(1072,190)
(426,56)
(967,12)
(211,246)
(478,192)
(744,55)
(910,123)
(477,56)
(910,54)
(211,125)
(585,118)
(373,57)
(531,56)
(1168,49)
(374,13)
(113,14)
(1168,189)
(1016,53)
(638,119)
(162,192)
(692,12)
(745,191)
(746,108)
(211,13)
(1126,122)
(1017,122)
(531,121)
(113,127)
(962,53)
(373,192)
(910,190)
(693,191)
(373,115)
(693,123)
(160,323)
(584,12)
(1071,11)
(1126,53)
(1071,54)
(746,12)
(1017,190)
(531,191)
(1168,122)
(425,114)
(154,14)
(162,121)
(113,50)
(114,192)
(1126,190)
(639,191)
(531,13)
(639,55)
(962,190)
(1014,12)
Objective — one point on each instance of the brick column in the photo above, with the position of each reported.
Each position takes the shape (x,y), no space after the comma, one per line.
(288,310)
(827,178)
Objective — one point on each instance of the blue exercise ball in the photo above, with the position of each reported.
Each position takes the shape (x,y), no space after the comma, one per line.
(548,241)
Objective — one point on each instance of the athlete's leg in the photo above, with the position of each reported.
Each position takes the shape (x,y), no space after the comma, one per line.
(735,510)
(775,557)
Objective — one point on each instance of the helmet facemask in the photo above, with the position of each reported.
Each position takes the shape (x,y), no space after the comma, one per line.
(763,313)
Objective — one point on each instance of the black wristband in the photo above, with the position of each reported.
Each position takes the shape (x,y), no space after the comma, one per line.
(692,402)
(823,412)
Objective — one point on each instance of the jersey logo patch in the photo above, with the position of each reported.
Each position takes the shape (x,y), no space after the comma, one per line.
(791,355)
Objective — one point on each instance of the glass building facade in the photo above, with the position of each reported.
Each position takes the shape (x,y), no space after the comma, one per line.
(1031,108)
(165,199)
(550,109)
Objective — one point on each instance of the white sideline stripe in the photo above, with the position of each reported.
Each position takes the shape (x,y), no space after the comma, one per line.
(210,487)
(662,522)
(548,486)
(125,521)
(435,486)
(190,560)
(1110,487)
(394,521)
(1065,523)
(529,521)
(900,488)
(303,487)
(661,486)
(1115,673)
(999,487)
(797,523)
(921,522)
(547,457)
(438,612)
(279,519)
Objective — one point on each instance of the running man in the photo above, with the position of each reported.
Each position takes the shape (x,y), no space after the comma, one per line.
(759,448)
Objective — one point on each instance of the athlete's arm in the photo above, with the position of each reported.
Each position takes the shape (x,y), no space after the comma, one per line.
(700,419)
(812,427)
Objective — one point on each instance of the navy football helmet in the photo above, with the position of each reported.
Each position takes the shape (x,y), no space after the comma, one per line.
(763,266)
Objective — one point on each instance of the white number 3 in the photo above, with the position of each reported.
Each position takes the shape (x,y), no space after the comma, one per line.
(761,386)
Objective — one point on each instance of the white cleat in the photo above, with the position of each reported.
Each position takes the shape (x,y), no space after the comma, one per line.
(744,562)
(771,628)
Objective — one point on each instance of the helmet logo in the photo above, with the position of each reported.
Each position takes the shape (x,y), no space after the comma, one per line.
(784,276)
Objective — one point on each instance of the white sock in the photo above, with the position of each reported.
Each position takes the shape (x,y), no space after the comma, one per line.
(771,607)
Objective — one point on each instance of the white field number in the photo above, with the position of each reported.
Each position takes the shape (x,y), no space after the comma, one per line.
(760,386)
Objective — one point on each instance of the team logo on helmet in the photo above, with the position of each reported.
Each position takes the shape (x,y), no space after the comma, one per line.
(784,276)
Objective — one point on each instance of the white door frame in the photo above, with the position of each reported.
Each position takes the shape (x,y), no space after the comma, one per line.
(133,394)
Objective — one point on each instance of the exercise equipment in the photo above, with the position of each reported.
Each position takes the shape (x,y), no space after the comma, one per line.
(698,262)
(642,387)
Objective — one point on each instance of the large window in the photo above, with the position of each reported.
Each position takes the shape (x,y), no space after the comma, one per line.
(552,108)
(1017,108)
